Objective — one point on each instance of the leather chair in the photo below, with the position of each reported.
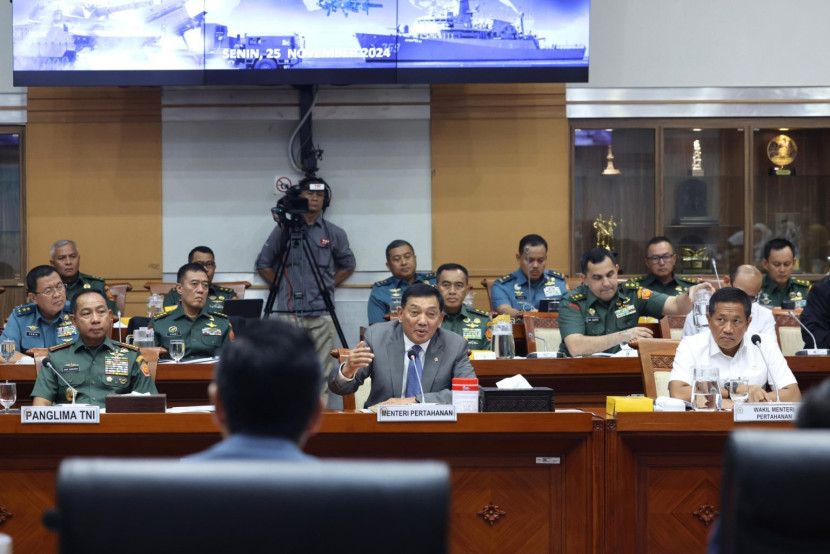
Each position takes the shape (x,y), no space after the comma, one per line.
(223,506)
(774,492)
(546,328)
(788,331)
(359,397)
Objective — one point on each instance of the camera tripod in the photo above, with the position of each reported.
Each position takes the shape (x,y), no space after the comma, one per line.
(295,235)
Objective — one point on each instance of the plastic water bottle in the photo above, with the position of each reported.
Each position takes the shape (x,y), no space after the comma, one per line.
(701,308)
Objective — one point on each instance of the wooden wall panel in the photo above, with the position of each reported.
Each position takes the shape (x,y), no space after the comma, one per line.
(500,171)
(93,175)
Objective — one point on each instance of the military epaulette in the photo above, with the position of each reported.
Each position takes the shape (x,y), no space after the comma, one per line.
(93,277)
(804,282)
(430,275)
(681,279)
(479,312)
(25,309)
(637,278)
(60,346)
(631,286)
(555,273)
(383,283)
(226,290)
(506,278)
(220,314)
(161,315)
(575,296)
(130,347)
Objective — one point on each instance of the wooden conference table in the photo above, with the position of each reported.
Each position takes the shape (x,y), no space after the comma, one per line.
(575,381)
(532,482)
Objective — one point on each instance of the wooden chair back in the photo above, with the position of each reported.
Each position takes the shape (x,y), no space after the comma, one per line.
(544,326)
(119,291)
(675,323)
(358,398)
(488,286)
(788,331)
(156,287)
(656,359)
(152,354)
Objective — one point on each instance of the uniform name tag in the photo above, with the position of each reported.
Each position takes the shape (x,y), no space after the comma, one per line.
(212,331)
(71,368)
(592,319)
(175,334)
(625,310)
(471,333)
(32,334)
(552,291)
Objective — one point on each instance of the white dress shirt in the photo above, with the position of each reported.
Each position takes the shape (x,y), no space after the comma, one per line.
(701,350)
(763,322)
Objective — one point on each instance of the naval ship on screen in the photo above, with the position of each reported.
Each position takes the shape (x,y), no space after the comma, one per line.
(455,36)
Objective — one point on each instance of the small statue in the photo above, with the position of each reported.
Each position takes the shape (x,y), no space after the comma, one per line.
(697,160)
(605,232)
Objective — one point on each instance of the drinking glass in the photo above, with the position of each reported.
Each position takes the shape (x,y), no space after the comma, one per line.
(738,390)
(177,350)
(7,349)
(625,338)
(706,390)
(8,395)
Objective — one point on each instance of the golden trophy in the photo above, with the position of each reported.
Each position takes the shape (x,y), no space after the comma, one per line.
(605,232)
(782,151)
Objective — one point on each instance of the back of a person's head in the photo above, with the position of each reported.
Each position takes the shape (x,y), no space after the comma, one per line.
(814,412)
(269,380)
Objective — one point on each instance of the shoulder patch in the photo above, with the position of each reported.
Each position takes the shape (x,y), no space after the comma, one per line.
(161,315)
(25,309)
(637,278)
(555,273)
(479,312)
(60,346)
(577,296)
(505,279)
(803,282)
(226,290)
(127,346)
(382,283)
(630,285)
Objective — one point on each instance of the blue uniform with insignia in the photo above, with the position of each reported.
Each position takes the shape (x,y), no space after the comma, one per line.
(215,301)
(383,291)
(513,289)
(28,329)
(202,335)
(471,324)
(583,313)
(110,368)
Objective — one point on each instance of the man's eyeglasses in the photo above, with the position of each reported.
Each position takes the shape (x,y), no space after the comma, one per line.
(664,258)
(52,290)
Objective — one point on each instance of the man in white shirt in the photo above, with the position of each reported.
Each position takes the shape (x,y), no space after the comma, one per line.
(726,349)
(748,279)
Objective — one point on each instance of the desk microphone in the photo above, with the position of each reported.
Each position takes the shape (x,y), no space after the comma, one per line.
(756,340)
(48,363)
(715,269)
(414,357)
(815,351)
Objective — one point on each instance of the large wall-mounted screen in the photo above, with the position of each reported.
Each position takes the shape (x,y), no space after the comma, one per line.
(186,42)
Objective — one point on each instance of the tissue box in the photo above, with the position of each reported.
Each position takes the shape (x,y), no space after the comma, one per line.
(617,404)
(136,403)
(537,399)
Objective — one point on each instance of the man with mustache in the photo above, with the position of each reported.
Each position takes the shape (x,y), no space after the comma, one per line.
(525,288)
(594,316)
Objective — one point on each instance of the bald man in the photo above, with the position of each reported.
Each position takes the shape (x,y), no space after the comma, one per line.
(748,279)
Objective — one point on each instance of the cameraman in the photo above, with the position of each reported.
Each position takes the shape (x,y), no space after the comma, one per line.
(298,293)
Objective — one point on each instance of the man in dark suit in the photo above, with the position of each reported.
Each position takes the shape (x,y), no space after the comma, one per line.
(267,394)
(396,353)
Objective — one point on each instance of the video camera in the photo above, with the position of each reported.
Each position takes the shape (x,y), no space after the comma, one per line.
(292,205)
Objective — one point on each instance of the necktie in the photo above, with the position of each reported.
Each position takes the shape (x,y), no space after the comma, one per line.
(413,375)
